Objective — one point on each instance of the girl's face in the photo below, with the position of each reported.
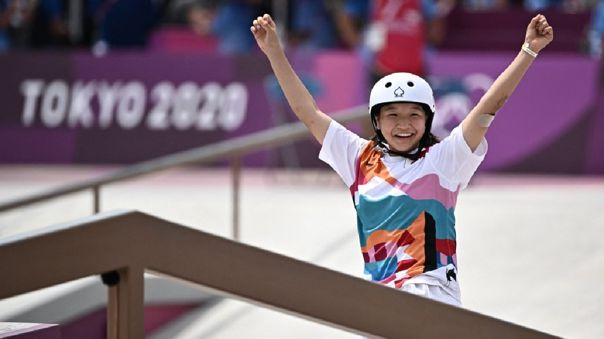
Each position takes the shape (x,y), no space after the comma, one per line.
(402,124)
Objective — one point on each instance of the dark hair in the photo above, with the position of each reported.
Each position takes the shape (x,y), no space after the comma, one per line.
(427,140)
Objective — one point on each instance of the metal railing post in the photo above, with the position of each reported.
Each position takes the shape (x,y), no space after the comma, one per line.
(96,199)
(236,182)
(269,138)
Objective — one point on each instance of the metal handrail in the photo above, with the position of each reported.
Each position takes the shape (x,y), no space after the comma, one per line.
(231,149)
(124,244)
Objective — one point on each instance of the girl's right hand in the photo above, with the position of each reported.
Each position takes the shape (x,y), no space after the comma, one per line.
(265,33)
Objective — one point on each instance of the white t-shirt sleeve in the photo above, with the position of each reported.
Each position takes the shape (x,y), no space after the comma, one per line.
(340,150)
(454,159)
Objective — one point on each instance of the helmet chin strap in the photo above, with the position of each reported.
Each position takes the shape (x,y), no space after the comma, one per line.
(411,155)
(403,154)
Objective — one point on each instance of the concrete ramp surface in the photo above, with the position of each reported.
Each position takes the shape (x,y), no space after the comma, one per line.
(529,247)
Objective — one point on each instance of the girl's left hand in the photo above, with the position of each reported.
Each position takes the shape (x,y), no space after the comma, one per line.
(539,33)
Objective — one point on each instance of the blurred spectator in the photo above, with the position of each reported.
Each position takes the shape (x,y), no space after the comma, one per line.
(538,5)
(397,36)
(596,30)
(436,12)
(200,16)
(4,21)
(32,23)
(186,27)
(569,6)
(400,31)
(485,5)
(125,23)
(48,28)
(227,20)
(351,18)
(231,25)
(396,32)
(374,28)
(15,22)
(312,25)
(93,15)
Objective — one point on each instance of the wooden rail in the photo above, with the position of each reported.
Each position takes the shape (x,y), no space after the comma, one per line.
(129,242)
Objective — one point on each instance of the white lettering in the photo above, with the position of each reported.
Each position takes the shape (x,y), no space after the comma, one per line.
(79,110)
(131,106)
(161,95)
(107,95)
(54,103)
(184,109)
(233,106)
(31,89)
(210,95)
(181,107)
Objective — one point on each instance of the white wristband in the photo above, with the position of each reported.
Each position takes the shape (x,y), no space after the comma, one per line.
(529,51)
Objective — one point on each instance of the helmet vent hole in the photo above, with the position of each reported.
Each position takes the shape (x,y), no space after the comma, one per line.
(410,84)
(388,84)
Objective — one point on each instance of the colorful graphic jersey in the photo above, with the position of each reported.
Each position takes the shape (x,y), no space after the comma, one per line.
(405,210)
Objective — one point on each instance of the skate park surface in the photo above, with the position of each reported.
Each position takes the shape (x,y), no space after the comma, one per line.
(529,247)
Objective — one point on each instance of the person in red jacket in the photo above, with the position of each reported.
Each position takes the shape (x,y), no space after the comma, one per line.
(398,37)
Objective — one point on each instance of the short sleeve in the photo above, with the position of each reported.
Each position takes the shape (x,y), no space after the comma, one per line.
(340,150)
(454,159)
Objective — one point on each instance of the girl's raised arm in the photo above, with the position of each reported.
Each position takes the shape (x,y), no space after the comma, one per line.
(298,97)
(538,35)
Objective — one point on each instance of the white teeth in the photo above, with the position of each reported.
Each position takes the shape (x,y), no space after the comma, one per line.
(403,135)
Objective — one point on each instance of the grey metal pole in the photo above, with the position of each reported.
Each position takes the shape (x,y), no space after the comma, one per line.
(96,199)
(236,181)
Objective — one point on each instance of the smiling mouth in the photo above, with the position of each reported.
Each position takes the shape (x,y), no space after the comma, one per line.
(403,135)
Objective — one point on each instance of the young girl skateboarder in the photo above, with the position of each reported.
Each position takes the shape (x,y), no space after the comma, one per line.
(405,182)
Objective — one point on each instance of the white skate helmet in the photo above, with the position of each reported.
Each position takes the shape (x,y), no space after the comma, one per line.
(403,87)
